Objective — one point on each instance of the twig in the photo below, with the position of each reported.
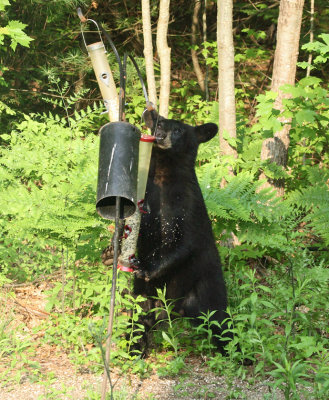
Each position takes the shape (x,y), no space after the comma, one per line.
(308,71)
(31,310)
(42,278)
(49,94)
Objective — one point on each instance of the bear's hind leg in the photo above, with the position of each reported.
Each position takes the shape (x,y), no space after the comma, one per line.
(206,298)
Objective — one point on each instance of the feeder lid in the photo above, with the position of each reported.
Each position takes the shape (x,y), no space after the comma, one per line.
(147,138)
(95,46)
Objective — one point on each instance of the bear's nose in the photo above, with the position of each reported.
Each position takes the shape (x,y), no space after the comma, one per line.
(160,135)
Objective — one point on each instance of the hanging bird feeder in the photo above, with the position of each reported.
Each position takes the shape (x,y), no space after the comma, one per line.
(117,170)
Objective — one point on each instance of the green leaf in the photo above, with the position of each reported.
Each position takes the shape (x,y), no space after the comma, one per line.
(15,31)
(320,59)
(305,115)
(267,304)
(3,4)
(232,141)
(253,318)
(304,65)
(253,298)
(325,37)
(310,81)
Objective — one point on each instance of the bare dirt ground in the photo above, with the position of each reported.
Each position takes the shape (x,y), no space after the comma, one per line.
(58,378)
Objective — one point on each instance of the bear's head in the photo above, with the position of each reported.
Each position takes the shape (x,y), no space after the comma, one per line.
(175,136)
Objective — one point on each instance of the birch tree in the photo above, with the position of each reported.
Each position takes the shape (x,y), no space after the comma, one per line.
(164,56)
(284,72)
(226,92)
(148,51)
(226,95)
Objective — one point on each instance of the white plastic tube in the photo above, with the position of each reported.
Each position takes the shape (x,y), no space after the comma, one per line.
(97,53)
(145,152)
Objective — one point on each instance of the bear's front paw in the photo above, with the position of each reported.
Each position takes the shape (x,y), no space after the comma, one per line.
(142,274)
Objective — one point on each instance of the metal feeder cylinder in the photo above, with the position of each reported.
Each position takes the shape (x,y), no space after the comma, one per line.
(117,169)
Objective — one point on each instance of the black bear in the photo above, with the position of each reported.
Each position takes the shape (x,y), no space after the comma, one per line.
(176,247)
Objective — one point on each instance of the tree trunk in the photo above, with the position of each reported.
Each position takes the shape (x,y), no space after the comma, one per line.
(227,119)
(164,56)
(284,72)
(194,55)
(308,72)
(226,93)
(148,51)
(204,28)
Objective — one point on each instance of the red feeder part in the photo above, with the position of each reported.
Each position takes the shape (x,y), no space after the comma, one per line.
(147,138)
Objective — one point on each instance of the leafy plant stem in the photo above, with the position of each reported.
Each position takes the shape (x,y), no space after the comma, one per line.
(63,281)
(74,285)
(293,311)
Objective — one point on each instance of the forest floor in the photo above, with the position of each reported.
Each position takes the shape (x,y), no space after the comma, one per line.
(45,371)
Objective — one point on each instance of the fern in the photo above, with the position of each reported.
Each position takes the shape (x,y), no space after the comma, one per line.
(257,216)
(48,175)
(314,201)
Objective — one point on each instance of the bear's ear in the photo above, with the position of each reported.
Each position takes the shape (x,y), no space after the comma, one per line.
(151,118)
(206,132)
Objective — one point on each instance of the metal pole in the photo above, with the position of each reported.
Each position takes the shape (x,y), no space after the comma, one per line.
(112,303)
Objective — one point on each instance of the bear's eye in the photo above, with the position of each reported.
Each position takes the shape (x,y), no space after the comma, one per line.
(177,131)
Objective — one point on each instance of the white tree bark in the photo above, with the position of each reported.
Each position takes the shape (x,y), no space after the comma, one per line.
(227,118)
(148,51)
(284,72)
(164,56)
(226,93)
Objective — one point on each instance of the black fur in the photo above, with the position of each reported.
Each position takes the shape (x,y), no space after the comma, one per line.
(176,246)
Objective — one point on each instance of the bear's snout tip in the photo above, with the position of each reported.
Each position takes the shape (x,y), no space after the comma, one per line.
(160,136)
